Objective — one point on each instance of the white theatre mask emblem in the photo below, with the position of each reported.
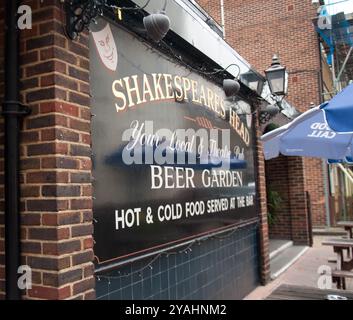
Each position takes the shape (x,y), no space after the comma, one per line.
(106,47)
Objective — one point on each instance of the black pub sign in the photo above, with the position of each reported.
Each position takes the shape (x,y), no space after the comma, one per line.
(172,157)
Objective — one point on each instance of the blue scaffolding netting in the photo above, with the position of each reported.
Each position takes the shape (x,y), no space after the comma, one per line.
(335,30)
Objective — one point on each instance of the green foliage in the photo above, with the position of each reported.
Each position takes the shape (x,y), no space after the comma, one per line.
(270,127)
(274,203)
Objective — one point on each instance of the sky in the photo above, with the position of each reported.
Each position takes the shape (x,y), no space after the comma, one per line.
(335,6)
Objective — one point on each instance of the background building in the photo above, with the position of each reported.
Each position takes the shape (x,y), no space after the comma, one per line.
(258,30)
(336,43)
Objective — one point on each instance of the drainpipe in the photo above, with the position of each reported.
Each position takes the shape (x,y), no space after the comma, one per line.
(222,20)
(13,111)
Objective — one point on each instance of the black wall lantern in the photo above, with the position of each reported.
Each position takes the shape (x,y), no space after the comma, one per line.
(277,77)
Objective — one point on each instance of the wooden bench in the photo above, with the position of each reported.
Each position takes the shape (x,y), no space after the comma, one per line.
(340,276)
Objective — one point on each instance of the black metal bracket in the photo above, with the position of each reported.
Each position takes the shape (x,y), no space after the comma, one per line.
(15,108)
(79,15)
(264,117)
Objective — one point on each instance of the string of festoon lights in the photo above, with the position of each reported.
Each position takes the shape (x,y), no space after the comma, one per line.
(149,266)
(186,250)
(157,26)
(206,73)
(131,8)
(230,86)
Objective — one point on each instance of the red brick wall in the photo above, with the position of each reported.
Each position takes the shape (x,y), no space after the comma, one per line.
(292,217)
(56,163)
(213,8)
(56,203)
(315,187)
(2,235)
(257,30)
(279,182)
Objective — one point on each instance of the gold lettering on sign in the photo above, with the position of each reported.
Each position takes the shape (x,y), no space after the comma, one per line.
(132,89)
(135,90)
(147,90)
(119,95)
(239,127)
(157,86)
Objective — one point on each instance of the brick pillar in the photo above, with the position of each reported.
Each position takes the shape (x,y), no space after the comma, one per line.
(2,230)
(297,201)
(262,201)
(314,180)
(56,165)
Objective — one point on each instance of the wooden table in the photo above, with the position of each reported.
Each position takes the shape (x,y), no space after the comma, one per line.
(338,246)
(348,226)
(290,292)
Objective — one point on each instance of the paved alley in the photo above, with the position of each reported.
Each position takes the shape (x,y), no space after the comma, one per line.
(304,272)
